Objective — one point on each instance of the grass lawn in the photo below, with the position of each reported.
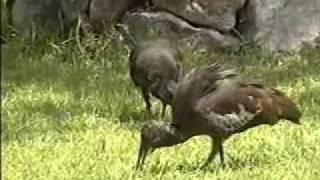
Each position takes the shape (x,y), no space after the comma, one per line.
(70,111)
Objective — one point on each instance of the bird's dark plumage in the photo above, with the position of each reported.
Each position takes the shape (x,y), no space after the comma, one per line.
(155,68)
(213,102)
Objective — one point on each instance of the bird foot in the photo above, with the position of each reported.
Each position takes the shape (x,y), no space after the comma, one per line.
(217,161)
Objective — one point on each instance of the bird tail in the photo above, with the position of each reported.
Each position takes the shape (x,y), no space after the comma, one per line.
(287,109)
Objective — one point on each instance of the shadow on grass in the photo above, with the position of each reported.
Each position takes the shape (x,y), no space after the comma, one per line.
(214,168)
(217,168)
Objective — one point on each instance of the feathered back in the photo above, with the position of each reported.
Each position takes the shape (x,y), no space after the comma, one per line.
(199,82)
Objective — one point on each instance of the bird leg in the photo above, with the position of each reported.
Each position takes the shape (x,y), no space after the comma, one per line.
(213,153)
(146,98)
(216,146)
(221,152)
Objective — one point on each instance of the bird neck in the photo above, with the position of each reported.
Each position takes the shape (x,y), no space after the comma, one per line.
(164,90)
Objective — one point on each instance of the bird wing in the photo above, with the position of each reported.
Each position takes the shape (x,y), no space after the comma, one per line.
(230,110)
(211,100)
(200,82)
(196,84)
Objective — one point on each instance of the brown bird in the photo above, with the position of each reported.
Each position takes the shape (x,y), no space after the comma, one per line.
(155,69)
(213,102)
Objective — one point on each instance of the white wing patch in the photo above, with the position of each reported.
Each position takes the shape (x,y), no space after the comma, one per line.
(233,120)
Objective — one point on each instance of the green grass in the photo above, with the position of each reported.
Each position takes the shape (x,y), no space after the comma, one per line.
(71,114)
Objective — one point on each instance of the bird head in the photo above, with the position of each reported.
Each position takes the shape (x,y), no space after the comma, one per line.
(155,134)
(164,89)
(168,91)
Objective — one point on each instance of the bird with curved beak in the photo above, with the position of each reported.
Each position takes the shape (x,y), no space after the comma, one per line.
(155,68)
(213,102)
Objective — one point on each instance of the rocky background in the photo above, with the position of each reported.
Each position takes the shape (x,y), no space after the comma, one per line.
(278,25)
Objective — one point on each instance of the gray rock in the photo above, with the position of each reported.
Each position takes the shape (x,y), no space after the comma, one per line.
(168,26)
(273,24)
(281,24)
(216,14)
(72,9)
(46,13)
(104,12)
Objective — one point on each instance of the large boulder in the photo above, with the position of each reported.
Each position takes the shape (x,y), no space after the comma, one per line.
(274,24)
(281,24)
(169,26)
(46,13)
(72,9)
(104,12)
(57,14)
(49,14)
(216,14)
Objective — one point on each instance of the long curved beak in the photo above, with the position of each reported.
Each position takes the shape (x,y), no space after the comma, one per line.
(143,152)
